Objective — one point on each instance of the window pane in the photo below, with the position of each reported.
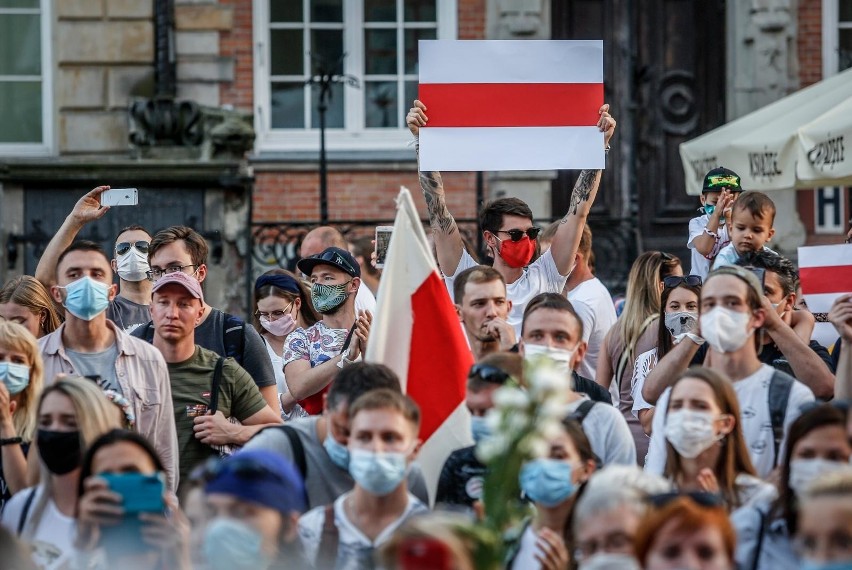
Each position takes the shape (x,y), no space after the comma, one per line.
(334,113)
(420,11)
(326,49)
(20,107)
(286,11)
(844,57)
(411,38)
(380,10)
(381,104)
(20,44)
(288,106)
(287,52)
(410,96)
(845,10)
(380,56)
(19,4)
(326,10)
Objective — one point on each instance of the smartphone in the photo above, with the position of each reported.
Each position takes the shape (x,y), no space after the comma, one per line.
(424,554)
(383,236)
(139,493)
(120,197)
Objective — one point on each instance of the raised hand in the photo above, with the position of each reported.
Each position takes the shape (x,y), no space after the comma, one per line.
(88,208)
(416,118)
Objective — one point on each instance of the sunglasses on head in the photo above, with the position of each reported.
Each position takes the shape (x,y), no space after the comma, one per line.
(701,499)
(672,281)
(518,235)
(123,247)
(488,373)
(336,259)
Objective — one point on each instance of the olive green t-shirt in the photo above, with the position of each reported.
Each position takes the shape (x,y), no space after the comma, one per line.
(191,381)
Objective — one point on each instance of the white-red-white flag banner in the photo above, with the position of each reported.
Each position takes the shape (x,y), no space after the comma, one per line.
(826,273)
(416,333)
(511,104)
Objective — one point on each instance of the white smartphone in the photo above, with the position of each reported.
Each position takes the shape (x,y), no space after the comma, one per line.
(120,197)
(383,236)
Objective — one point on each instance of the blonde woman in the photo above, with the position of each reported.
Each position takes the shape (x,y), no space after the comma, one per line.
(25,301)
(72,413)
(633,334)
(20,386)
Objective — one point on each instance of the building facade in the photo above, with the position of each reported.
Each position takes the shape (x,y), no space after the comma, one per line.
(210,108)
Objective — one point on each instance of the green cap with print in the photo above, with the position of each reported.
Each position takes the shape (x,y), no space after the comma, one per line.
(721,178)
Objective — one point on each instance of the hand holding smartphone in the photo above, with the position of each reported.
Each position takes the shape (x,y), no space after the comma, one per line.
(139,493)
(120,197)
(383,236)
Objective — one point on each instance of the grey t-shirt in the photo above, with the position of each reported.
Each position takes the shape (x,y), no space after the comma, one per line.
(324,480)
(211,335)
(100,364)
(128,315)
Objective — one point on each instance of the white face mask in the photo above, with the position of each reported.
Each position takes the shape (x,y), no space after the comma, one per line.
(804,471)
(681,322)
(725,330)
(560,355)
(133,265)
(690,432)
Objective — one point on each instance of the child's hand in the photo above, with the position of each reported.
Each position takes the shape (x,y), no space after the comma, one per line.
(725,204)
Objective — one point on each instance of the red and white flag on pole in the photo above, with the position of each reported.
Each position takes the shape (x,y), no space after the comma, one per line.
(511,105)
(416,333)
(826,273)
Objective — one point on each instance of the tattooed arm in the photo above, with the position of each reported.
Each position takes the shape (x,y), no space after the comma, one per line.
(448,241)
(567,238)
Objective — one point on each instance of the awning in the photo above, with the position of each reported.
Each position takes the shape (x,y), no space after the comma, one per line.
(825,148)
(762,146)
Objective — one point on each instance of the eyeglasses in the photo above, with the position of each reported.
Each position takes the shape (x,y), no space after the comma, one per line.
(517,235)
(274,315)
(123,247)
(488,373)
(155,272)
(709,500)
(672,281)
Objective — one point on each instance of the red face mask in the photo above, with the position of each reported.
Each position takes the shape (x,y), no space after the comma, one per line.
(517,254)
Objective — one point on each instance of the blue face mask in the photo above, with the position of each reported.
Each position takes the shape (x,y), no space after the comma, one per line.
(833,565)
(378,473)
(233,545)
(547,481)
(338,454)
(327,298)
(709,209)
(86,298)
(479,428)
(15,376)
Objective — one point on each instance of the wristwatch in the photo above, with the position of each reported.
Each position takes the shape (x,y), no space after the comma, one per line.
(11,441)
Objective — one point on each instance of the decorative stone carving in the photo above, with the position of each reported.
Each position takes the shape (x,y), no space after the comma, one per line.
(518,19)
(166,128)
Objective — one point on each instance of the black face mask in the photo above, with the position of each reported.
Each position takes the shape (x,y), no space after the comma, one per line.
(61,451)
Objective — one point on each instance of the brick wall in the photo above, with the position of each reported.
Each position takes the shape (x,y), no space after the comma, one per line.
(236,43)
(810,41)
(471,19)
(294,196)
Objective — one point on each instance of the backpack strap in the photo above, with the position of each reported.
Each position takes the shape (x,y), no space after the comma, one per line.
(234,337)
(780,386)
(215,385)
(582,411)
(22,520)
(329,541)
(298,449)
(755,563)
(145,332)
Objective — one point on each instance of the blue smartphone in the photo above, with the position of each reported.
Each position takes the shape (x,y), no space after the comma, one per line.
(139,493)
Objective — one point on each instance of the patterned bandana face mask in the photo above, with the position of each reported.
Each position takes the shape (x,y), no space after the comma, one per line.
(327,298)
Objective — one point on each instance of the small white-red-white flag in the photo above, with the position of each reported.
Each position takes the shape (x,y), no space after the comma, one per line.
(511,105)
(416,333)
(826,273)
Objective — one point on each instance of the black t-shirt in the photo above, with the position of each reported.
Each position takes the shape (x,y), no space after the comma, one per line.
(770,355)
(591,388)
(461,479)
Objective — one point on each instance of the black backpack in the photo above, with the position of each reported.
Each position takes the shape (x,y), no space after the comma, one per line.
(780,386)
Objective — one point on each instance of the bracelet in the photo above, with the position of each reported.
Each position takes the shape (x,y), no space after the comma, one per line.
(711,234)
(606,149)
(11,441)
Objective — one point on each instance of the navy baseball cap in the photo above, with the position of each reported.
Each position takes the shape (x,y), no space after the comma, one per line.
(334,256)
(261,477)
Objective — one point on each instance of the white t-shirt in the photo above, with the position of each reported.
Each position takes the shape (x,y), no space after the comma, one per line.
(355,551)
(753,395)
(541,276)
(593,304)
(525,558)
(608,433)
(701,264)
(728,256)
(52,542)
(364,300)
(645,362)
(277,367)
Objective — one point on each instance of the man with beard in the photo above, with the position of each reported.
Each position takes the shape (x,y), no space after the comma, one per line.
(313,356)
(483,309)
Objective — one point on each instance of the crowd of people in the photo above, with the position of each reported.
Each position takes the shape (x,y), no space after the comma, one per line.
(702,427)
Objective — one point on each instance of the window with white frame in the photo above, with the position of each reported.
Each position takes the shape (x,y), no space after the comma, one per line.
(372,41)
(25,87)
(836,36)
